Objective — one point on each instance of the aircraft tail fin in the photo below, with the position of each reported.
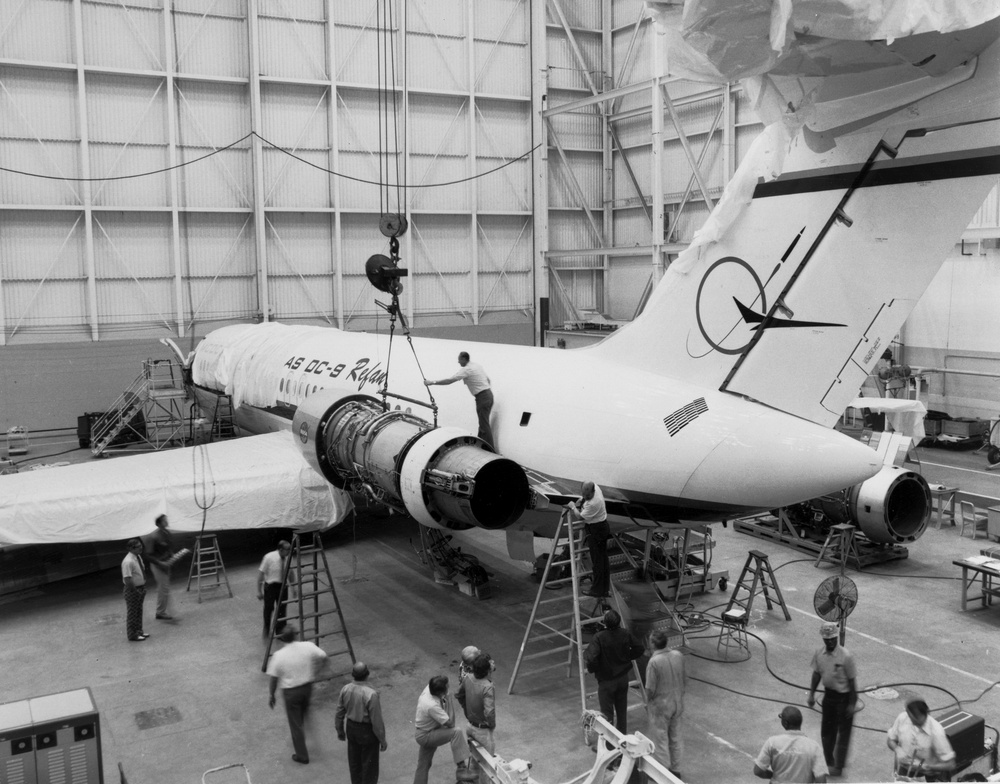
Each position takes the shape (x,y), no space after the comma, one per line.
(795,285)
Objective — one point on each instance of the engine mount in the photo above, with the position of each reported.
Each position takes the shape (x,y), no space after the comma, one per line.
(441,476)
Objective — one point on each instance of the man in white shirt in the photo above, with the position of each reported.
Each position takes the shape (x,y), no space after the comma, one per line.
(294,668)
(921,746)
(590,508)
(478,382)
(134,580)
(790,756)
(269,575)
(435,726)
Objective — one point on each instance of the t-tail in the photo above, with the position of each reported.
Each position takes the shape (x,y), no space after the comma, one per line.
(793,288)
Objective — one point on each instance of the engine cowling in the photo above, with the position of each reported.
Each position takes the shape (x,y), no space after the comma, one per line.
(442,476)
(892,507)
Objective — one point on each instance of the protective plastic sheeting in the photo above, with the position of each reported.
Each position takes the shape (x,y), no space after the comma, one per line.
(254,482)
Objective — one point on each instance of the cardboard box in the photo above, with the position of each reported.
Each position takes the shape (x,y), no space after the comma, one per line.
(932,427)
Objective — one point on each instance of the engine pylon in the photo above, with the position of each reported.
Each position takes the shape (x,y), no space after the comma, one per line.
(441,476)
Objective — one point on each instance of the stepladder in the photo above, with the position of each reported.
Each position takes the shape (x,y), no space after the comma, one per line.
(312,604)
(763,579)
(206,563)
(560,618)
(840,547)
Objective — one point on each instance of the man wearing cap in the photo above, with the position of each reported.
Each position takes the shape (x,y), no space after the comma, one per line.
(920,743)
(477,697)
(665,684)
(834,665)
(790,756)
(359,722)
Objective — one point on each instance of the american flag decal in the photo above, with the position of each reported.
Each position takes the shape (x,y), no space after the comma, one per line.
(682,416)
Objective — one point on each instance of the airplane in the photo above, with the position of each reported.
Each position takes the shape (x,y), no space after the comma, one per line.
(719,399)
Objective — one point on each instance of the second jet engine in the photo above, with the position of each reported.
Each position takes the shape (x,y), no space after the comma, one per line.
(892,507)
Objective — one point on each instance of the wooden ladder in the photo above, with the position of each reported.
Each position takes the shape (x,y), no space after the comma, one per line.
(307,571)
(763,576)
(206,562)
(839,547)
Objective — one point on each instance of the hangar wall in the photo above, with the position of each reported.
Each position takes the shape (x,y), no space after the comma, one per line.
(244,107)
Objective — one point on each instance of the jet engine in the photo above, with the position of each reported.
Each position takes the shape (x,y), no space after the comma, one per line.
(892,507)
(441,476)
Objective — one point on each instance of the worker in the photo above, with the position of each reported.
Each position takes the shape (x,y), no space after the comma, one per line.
(920,744)
(665,683)
(161,556)
(269,575)
(590,508)
(294,668)
(790,756)
(834,665)
(359,722)
(609,657)
(478,382)
(477,697)
(435,726)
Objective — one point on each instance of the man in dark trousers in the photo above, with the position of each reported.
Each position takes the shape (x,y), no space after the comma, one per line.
(590,508)
(609,656)
(269,575)
(477,697)
(294,668)
(478,382)
(160,554)
(834,665)
(359,722)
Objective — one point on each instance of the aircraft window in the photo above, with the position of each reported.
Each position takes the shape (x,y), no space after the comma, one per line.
(281,385)
(525,418)
(314,389)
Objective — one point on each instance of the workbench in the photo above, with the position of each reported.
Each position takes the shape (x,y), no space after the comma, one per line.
(984,568)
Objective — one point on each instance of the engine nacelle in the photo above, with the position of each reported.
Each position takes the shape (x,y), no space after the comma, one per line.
(442,476)
(892,507)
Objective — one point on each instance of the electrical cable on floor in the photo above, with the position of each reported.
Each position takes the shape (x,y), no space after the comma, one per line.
(46,457)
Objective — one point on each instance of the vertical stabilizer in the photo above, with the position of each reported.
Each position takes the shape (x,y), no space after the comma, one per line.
(812,272)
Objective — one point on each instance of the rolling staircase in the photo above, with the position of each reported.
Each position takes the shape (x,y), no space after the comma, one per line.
(152,412)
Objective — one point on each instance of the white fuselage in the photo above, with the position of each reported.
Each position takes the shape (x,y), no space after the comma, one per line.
(565,416)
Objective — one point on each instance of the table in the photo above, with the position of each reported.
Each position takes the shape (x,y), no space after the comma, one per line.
(993,522)
(987,571)
(943,493)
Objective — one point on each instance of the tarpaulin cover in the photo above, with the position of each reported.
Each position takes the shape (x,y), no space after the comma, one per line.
(253,482)
(905,416)
(725,41)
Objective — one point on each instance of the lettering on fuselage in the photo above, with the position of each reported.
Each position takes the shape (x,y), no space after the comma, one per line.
(362,371)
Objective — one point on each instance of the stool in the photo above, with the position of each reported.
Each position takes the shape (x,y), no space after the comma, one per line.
(733,632)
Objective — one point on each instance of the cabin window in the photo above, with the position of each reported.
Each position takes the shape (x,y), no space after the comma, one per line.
(525,418)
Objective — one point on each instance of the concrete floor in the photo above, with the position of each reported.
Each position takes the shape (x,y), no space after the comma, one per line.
(907,633)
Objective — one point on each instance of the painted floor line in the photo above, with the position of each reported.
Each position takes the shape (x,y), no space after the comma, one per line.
(903,650)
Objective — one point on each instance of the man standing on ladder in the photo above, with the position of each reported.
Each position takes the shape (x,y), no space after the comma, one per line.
(478,382)
(590,508)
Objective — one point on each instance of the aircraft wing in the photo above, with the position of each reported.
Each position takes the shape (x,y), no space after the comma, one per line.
(254,482)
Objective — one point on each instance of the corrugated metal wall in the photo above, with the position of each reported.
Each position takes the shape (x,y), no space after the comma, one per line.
(101,89)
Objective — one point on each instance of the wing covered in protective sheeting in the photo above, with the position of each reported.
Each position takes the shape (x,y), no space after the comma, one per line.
(254,482)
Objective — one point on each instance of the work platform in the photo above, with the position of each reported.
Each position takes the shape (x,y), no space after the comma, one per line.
(812,541)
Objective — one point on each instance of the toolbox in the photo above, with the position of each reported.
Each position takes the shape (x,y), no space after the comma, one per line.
(965,732)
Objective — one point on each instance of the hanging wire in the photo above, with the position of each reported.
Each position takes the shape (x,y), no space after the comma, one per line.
(202,480)
(274,146)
